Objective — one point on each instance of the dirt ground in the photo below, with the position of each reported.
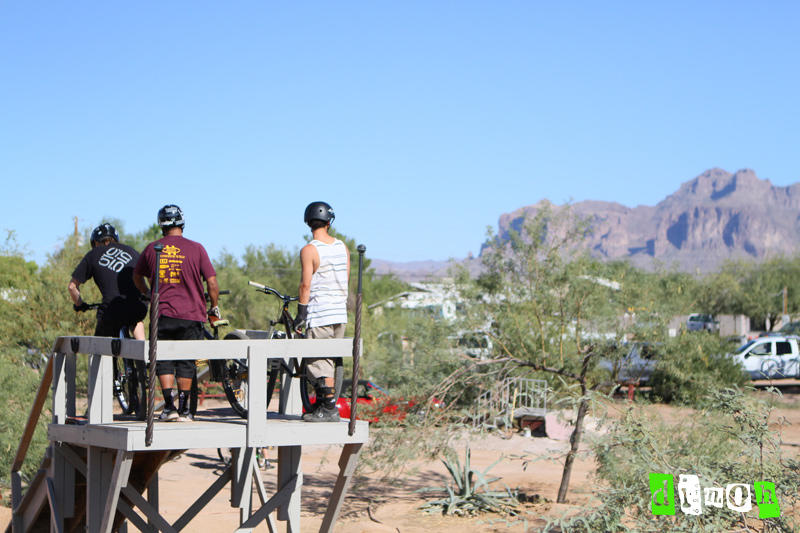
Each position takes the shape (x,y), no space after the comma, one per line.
(391,506)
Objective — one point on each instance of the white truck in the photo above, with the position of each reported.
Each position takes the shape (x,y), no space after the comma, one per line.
(771,357)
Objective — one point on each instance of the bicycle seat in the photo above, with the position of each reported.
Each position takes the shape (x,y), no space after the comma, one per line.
(219,323)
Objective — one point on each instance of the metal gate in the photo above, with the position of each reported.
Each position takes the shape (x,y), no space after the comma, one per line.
(511,399)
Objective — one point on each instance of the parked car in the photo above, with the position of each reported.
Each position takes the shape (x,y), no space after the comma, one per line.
(773,357)
(702,322)
(636,366)
(476,344)
(375,403)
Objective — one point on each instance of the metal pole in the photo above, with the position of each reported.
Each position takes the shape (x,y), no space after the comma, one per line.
(151,369)
(356,342)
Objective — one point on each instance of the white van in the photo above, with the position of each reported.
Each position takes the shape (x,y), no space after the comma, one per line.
(770,357)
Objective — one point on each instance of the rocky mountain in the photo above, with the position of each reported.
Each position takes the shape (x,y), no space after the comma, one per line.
(711,218)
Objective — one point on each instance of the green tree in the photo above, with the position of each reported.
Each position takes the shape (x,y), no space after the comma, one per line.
(753,289)
(549,306)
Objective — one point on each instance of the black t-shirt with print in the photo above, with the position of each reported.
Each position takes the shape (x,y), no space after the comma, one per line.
(111,267)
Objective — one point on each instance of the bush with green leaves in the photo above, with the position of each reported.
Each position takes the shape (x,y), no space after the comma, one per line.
(18,385)
(728,442)
(690,365)
(468,491)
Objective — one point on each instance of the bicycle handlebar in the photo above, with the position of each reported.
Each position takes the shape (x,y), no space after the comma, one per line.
(222,292)
(270,290)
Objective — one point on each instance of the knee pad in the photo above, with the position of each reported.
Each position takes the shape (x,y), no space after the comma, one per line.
(325,392)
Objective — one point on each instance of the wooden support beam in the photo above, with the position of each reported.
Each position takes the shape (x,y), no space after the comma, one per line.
(119,479)
(59,389)
(152,495)
(262,496)
(256,398)
(134,518)
(56,520)
(63,474)
(289,471)
(347,466)
(138,500)
(242,466)
(16,501)
(100,390)
(69,454)
(100,467)
(280,498)
(203,500)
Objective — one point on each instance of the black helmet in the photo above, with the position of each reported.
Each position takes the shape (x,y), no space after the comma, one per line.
(170,216)
(103,231)
(319,211)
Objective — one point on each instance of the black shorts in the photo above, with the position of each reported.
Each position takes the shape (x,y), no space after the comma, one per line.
(118,313)
(177,329)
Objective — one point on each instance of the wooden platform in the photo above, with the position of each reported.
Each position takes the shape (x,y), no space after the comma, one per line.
(207,432)
(97,458)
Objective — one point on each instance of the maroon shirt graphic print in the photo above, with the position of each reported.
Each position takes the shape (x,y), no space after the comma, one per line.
(184,266)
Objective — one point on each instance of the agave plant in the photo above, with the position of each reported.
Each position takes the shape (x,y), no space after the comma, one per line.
(468,491)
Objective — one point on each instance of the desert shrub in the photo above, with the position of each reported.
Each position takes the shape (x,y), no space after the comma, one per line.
(728,442)
(692,364)
(468,491)
(18,385)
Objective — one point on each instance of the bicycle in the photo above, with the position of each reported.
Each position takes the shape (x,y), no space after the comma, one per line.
(130,377)
(234,374)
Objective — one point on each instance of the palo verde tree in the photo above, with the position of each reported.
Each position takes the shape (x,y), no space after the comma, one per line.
(549,304)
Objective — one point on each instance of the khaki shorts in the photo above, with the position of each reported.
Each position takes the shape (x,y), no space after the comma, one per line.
(323,368)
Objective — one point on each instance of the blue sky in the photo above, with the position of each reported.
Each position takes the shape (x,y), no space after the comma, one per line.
(421,122)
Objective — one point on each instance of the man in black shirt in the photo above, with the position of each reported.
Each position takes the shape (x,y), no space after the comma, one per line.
(110,264)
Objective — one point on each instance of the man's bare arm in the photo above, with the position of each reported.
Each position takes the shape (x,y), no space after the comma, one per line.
(307,256)
(141,284)
(74,291)
(213,290)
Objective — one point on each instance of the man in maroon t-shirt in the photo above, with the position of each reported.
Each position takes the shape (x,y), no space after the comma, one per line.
(181,302)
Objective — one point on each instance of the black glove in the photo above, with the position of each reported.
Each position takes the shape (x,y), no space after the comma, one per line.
(300,319)
(80,308)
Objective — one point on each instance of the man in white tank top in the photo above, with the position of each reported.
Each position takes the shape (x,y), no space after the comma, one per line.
(325,272)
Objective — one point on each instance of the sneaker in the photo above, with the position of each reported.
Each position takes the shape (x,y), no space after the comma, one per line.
(186,417)
(322,414)
(168,415)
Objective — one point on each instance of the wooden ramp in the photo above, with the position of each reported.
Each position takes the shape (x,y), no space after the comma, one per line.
(101,476)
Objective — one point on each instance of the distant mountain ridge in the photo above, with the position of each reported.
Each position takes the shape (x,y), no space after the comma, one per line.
(709,219)
(712,218)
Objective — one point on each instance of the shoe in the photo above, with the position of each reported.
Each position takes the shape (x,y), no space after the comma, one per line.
(322,414)
(186,417)
(168,415)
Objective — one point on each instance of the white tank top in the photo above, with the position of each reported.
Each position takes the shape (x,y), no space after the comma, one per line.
(328,302)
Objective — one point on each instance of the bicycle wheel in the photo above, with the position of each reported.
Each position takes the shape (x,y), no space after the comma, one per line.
(136,387)
(234,379)
(307,390)
(274,377)
(121,385)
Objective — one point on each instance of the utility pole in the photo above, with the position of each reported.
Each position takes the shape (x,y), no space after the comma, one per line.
(785,305)
(785,300)
(77,241)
